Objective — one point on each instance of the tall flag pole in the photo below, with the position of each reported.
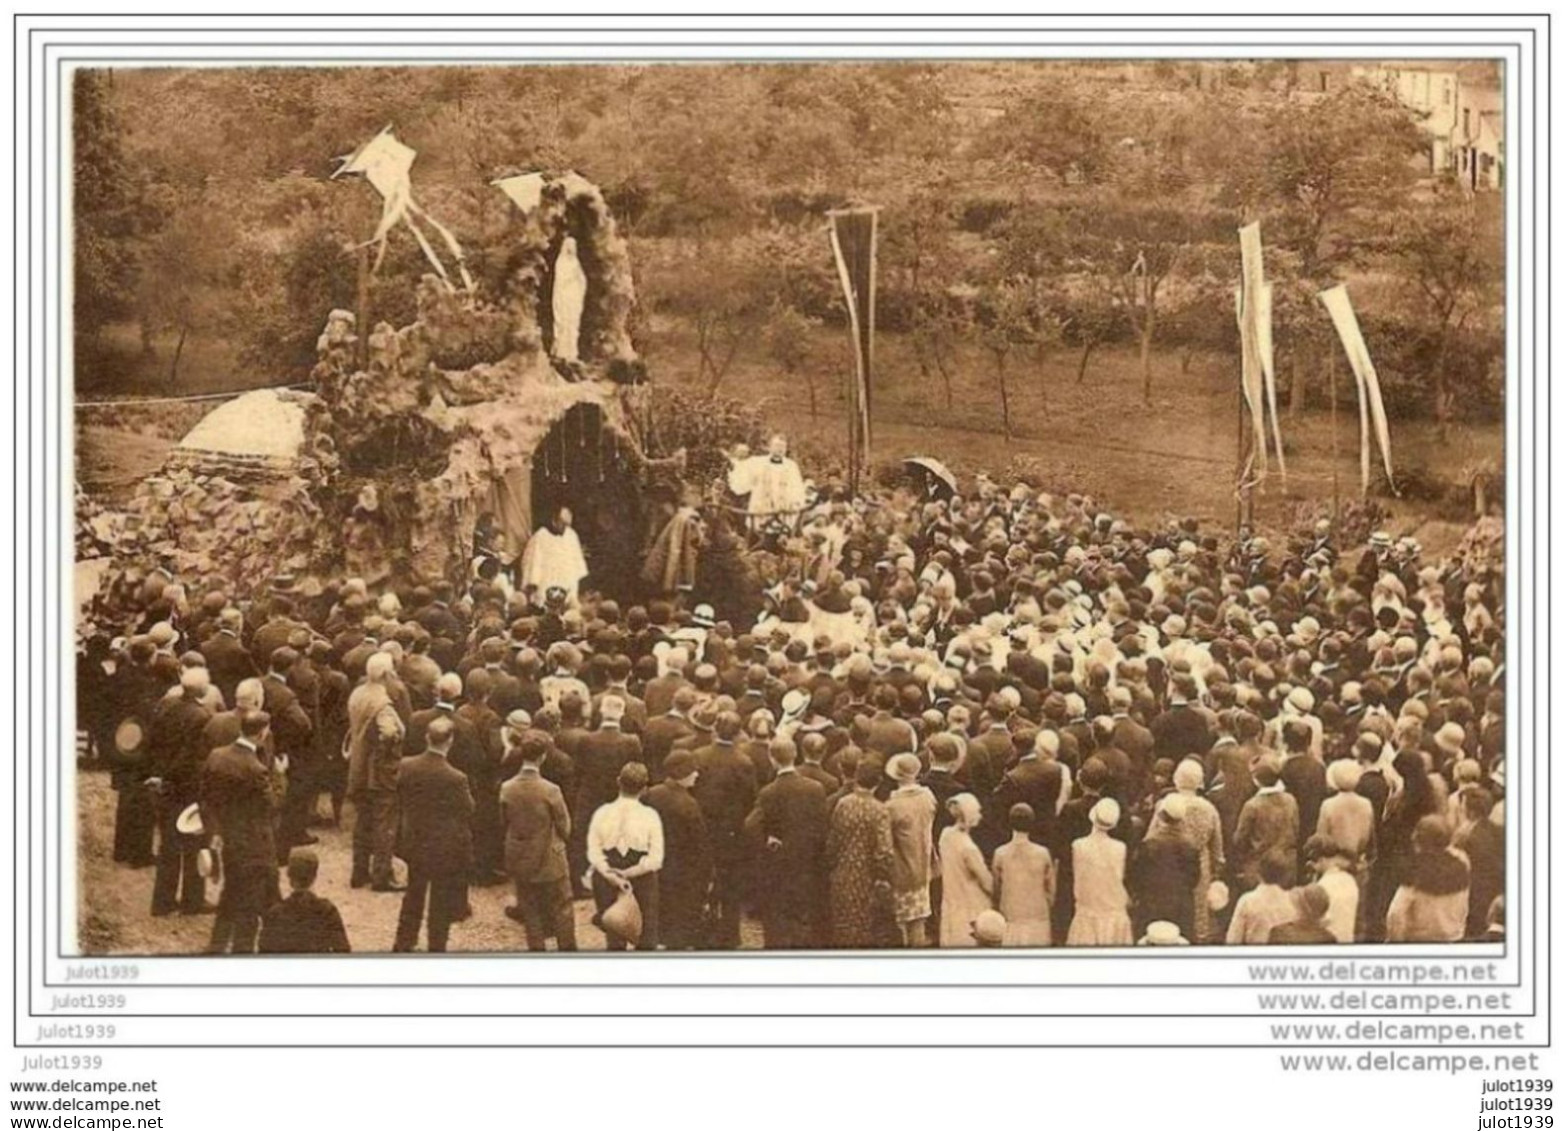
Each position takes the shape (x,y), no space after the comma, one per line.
(1371,404)
(854,241)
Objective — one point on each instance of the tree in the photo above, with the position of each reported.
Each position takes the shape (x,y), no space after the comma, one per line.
(1130,249)
(109,207)
(1328,168)
(790,343)
(919,252)
(1452,263)
(1055,129)
(1009,320)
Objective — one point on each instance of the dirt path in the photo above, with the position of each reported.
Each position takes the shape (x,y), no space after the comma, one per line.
(116,901)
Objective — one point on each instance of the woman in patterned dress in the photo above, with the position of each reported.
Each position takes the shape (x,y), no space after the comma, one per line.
(911,808)
(858,857)
(1202,830)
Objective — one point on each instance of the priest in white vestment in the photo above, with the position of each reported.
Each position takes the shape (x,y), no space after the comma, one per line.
(773,482)
(553,559)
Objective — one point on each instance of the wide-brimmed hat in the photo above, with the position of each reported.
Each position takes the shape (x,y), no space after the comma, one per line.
(189,821)
(989,928)
(209,865)
(1163,933)
(903,768)
(1105,814)
(1451,738)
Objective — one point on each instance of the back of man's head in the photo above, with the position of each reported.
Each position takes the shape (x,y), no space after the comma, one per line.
(439,735)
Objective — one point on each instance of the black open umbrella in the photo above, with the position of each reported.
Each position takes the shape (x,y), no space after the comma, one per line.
(933,468)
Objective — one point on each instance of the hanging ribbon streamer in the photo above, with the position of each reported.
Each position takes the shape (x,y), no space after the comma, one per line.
(1259,369)
(387,164)
(1371,404)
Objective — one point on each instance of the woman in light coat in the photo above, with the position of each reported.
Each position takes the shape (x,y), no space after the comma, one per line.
(967,886)
(1101,900)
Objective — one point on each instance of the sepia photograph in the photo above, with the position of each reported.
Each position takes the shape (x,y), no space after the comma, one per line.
(667,507)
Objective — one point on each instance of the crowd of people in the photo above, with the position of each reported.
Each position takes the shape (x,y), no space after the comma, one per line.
(997,719)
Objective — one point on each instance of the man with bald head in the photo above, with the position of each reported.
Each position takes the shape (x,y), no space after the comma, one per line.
(660,692)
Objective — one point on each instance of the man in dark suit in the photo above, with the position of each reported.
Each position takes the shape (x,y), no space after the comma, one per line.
(663,731)
(484,778)
(537,828)
(885,734)
(506,695)
(1267,824)
(661,692)
(1032,781)
(686,870)
(292,735)
(437,618)
(227,658)
(275,632)
(600,756)
(239,796)
(1132,737)
(1181,730)
(995,747)
(435,838)
(303,923)
(136,689)
(466,753)
(813,748)
(1483,843)
(1303,774)
(787,827)
(178,753)
(634,720)
(725,792)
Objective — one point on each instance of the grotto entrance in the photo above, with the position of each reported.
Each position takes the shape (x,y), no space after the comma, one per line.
(583,464)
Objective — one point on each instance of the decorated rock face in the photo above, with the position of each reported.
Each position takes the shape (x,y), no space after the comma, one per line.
(443,421)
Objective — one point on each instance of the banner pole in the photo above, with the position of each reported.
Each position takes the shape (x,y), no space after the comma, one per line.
(1238,468)
(361,315)
(1335,445)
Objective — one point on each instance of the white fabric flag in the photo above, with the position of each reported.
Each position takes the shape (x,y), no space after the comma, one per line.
(387,164)
(1371,404)
(525,190)
(1259,369)
(1268,368)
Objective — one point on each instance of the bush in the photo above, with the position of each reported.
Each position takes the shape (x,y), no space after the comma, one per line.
(1406,357)
(706,426)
